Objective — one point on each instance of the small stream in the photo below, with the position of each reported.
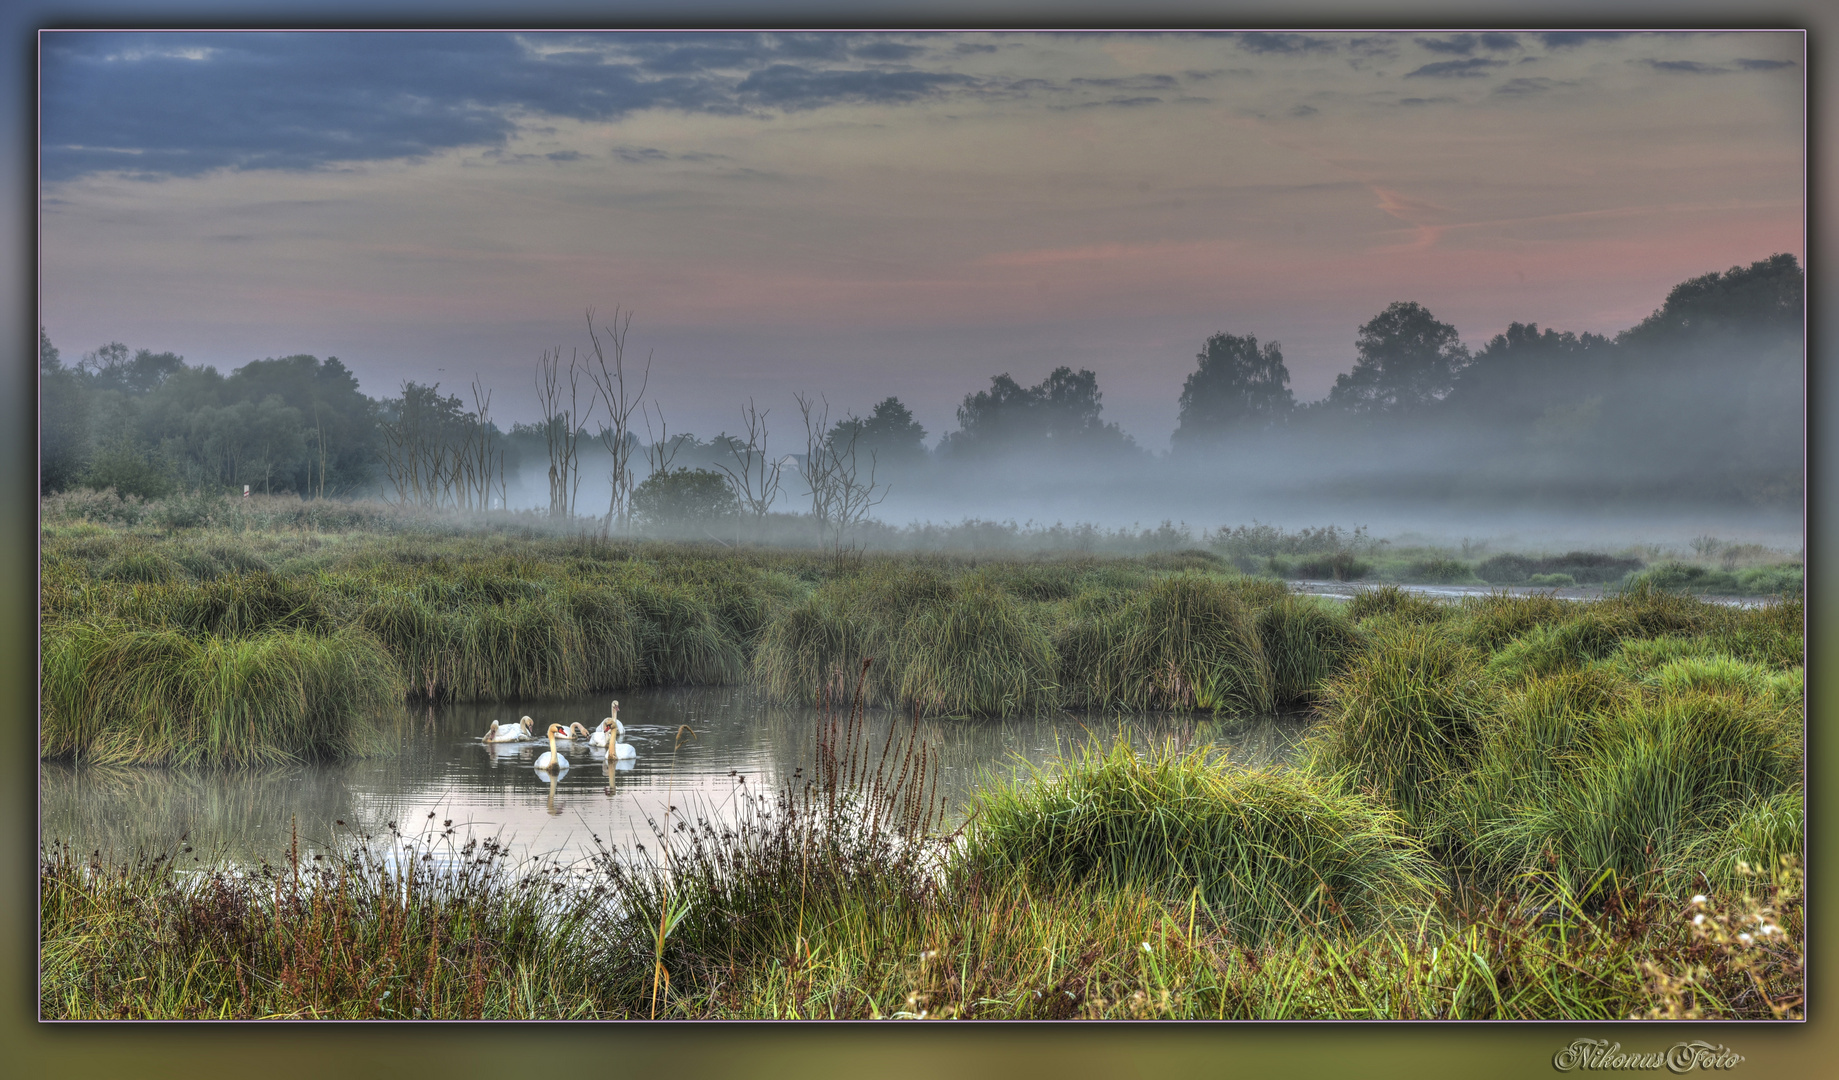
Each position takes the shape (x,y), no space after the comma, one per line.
(441,772)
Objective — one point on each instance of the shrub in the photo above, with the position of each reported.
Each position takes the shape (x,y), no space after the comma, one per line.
(1552,581)
(1583,567)
(1550,648)
(1493,620)
(1337,566)
(1654,776)
(143,566)
(119,693)
(1440,569)
(1770,580)
(1186,559)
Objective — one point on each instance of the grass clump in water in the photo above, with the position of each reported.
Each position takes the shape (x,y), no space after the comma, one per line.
(1189,641)
(1405,716)
(118,693)
(1307,642)
(1267,852)
(977,654)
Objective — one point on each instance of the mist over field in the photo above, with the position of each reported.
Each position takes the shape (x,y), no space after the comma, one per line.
(1038,282)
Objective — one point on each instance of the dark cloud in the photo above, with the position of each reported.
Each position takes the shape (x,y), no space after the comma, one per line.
(1525,87)
(1113,103)
(1461,44)
(1763,65)
(1571,39)
(565,155)
(965,48)
(1304,110)
(787,86)
(1685,67)
(1464,44)
(1414,101)
(1474,67)
(885,50)
(1283,43)
(637,155)
(1134,82)
(180,104)
(1378,47)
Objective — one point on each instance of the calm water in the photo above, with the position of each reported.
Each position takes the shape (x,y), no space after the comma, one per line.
(442,769)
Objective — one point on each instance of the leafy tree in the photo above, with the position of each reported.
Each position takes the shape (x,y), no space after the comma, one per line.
(889,433)
(63,420)
(1524,371)
(254,443)
(1236,387)
(129,470)
(111,368)
(339,422)
(1060,413)
(1762,300)
(1407,360)
(684,498)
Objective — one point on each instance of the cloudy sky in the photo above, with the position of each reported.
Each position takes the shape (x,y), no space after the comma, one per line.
(907,214)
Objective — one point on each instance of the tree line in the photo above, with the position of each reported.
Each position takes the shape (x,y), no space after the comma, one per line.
(1708,386)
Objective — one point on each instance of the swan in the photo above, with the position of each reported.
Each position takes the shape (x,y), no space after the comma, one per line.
(602,735)
(615,718)
(509,732)
(553,761)
(621,751)
(577,730)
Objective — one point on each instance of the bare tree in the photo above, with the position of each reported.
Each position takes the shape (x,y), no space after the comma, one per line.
(562,427)
(660,450)
(754,476)
(610,383)
(481,455)
(840,497)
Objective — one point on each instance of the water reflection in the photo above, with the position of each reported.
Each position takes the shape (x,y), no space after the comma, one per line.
(695,748)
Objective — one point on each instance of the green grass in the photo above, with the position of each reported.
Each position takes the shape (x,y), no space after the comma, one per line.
(1120,887)
(119,693)
(1405,716)
(1263,852)
(1189,641)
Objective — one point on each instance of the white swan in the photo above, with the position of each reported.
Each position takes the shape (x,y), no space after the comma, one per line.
(615,718)
(602,735)
(509,732)
(553,761)
(577,730)
(622,751)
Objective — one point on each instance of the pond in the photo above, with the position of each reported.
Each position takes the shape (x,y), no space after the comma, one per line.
(441,772)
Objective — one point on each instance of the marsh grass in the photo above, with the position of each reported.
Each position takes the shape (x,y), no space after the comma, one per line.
(381,929)
(1189,641)
(118,693)
(1405,716)
(1248,895)
(1307,642)
(1266,852)
(1395,603)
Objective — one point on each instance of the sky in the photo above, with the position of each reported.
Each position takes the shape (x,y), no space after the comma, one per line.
(864,215)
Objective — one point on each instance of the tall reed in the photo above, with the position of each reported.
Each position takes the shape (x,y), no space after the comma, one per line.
(119,693)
